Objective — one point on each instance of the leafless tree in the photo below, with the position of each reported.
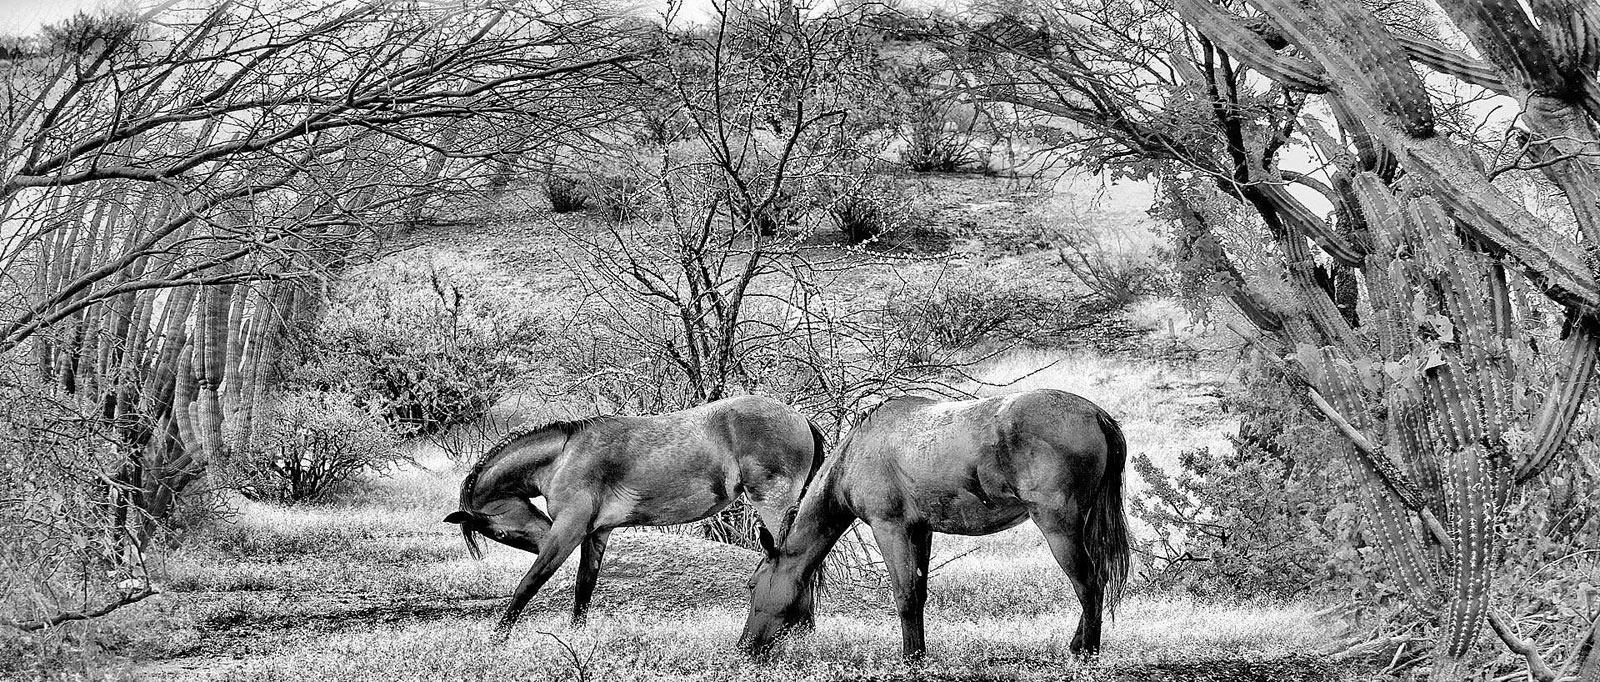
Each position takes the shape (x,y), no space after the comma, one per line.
(177,182)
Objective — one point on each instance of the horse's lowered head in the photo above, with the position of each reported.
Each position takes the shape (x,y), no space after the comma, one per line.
(782,600)
(510,521)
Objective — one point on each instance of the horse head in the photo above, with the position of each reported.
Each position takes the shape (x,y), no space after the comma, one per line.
(510,521)
(782,599)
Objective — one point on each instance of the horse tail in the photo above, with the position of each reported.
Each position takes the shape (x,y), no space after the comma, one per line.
(819,451)
(1105,535)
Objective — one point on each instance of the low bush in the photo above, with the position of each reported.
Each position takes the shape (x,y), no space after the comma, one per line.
(966,308)
(865,205)
(565,194)
(933,148)
(1119,263)
(1275,517)
(418,350)
(309,445)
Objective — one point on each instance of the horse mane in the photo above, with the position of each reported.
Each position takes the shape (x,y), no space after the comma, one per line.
(567,428)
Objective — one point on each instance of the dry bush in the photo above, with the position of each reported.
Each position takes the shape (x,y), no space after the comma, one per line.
(420,348)
(310,445)
(866,205)
(967,308)
(565,194)
(71,544)
(1118,263)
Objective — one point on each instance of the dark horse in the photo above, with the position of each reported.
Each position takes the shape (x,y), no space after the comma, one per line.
(602,473)
(916,466)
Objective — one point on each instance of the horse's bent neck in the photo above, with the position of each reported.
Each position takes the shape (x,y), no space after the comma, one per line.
(520,468)
(817,525)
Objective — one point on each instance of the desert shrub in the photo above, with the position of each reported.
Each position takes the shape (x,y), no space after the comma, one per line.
(1119,263)
(310,444)
(565,194)
(938,127)
(1550,577)
(69,539)
(418,350)
(1274,517)
(866,205)
(965,308)
(931,147)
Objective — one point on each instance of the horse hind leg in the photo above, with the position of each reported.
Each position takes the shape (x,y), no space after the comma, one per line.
(1069,552)
(590,557)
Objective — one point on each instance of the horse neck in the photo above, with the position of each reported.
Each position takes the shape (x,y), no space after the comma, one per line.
(818,524)
(521,468)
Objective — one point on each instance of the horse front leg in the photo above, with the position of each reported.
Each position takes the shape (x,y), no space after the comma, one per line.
(553,550)
(905,552)
(590,557)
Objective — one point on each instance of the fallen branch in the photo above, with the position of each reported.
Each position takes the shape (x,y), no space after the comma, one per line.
(1537,668)
(68,616)
(1370,646)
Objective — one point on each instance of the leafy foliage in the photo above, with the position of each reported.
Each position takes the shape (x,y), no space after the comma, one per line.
(419,350)
(310,445)
(1273,517)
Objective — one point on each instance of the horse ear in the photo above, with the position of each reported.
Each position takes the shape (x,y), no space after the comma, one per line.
(767,545)
(462,517)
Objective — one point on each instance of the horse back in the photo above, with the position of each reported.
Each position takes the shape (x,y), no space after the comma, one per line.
(975,466)
(680,466)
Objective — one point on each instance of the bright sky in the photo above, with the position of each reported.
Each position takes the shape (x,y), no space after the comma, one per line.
(21,17)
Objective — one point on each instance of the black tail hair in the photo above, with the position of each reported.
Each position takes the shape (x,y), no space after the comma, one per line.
(818,454)
(1105,530)
(819,445)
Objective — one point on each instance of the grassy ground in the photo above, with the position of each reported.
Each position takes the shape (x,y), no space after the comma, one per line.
(376,587)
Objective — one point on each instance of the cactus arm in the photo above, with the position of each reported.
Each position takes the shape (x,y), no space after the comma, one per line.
(1559,409)
(1475,490)
(1291,210)
(1390,474)
(1451,63)
(1506,37)
(1226,30)
(1490,217)
(1372,66)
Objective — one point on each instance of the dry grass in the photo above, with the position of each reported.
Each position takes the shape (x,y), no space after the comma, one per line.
(378,588)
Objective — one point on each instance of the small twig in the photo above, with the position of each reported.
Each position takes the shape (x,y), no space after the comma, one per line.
(580,666)
(947,562)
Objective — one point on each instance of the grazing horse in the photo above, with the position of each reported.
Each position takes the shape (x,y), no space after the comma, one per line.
(917,466)
(602,473)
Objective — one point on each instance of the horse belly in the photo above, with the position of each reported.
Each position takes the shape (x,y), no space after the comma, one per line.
(664,502)
(965,514)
